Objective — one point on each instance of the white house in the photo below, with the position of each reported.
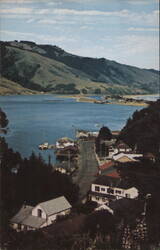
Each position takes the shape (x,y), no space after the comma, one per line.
(43,214)
(106,189)
(64,142)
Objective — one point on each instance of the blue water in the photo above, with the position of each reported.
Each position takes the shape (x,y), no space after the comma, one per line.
(45,118)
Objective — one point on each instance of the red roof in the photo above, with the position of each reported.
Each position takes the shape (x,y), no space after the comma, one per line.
(106,165)
(113,174)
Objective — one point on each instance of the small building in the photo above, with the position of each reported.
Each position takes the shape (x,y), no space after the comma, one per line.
(44,146)
(64,142)
(42,215)
(122,147)
(84,134)
(106,189)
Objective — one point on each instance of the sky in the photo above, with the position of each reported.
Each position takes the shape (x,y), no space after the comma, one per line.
(126,31)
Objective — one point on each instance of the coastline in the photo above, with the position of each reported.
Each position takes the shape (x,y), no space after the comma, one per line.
(87,99)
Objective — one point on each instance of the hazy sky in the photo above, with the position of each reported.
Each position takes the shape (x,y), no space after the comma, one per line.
(122,30)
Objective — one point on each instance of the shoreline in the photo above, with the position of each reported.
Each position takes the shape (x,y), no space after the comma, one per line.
(88,99)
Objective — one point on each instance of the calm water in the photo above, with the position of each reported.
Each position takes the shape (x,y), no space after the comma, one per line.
(45,118)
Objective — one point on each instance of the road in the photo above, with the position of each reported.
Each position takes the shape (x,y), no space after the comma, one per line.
(88,167)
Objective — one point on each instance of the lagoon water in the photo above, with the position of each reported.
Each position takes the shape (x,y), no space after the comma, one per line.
(35,119)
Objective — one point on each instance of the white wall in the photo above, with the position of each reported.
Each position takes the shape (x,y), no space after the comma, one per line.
(118,192)
(53,217)
(104,190)
(133,192)
(35,212)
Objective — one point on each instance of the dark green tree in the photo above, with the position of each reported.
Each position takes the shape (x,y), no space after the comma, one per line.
(143,129)
(104,135)
(3,119)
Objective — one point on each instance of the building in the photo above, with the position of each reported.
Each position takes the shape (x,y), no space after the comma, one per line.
(84,134)
(106,167)
(123,147)
(106,189)
(42,215)
(64,142)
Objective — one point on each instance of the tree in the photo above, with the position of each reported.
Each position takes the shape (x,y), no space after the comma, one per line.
(100,222)
(142,130)
(105,133)
(101,147)
(3,119)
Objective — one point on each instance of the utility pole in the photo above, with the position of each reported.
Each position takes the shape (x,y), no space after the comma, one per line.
(69,160)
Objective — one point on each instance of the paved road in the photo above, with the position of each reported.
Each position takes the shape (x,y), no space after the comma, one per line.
(88,167)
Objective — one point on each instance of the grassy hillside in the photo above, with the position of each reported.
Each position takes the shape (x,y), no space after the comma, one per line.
(8,87)
(49,68)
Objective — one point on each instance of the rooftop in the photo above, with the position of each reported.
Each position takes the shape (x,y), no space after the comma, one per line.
(55,206)
(111,182)
(23,213)
(132,157)
(106,165)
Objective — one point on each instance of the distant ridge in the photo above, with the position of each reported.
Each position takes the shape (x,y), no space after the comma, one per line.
(49,68)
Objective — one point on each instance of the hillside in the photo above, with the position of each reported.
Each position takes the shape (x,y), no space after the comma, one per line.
(8,87)
(49,68)
(142,130)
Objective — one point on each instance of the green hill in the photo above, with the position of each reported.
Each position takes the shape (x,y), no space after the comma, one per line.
(51,69)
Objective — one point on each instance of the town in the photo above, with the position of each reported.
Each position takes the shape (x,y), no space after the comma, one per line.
(100,188)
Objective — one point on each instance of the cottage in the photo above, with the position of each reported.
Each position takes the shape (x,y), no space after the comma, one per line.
(106,189)
(43,214)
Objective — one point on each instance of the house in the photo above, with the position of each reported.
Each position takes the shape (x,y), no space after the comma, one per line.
(42,215)
(107,188)
(83,134)
(122,147)
(123,157)
(64,142)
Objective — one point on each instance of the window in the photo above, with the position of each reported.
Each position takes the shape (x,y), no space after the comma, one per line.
(104,199)
(110,190)
(118,192)
(97,189)
(97,198)
(19,226)
(39,213)
(103,189)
